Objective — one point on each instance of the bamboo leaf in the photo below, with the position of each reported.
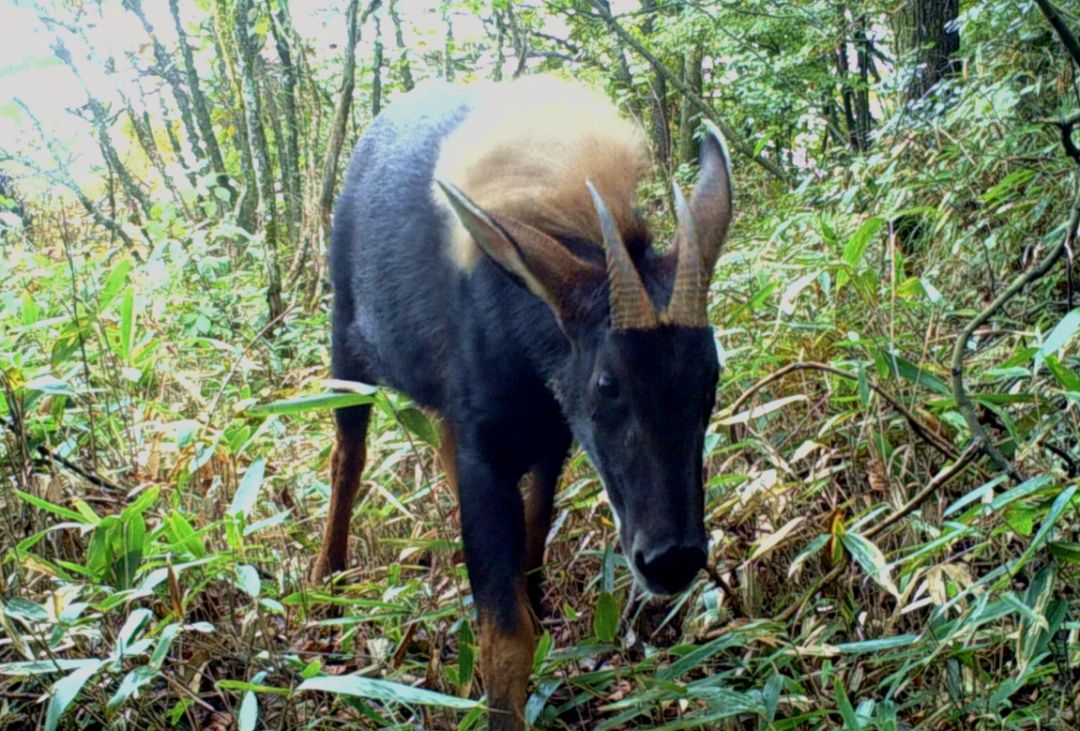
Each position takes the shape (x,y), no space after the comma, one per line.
(383,690)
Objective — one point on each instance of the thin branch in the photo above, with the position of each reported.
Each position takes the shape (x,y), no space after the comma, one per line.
(49,456)
(921,429)
(963,402)
(936,483)
(733,138)
(1067,38)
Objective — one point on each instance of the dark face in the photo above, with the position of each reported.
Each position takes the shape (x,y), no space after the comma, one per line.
(639,402)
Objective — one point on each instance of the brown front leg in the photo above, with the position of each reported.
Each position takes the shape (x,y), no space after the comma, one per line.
(506,658)
(346,466)
(448,455)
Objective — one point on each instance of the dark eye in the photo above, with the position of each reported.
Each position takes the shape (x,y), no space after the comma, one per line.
(607,386)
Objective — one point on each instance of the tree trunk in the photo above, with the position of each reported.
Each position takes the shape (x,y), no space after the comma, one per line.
(376,71)
(500,40)
(174,142)
(63,177)
(145,135)
(99,119)
(661,132)
(448,44)
(256,136)
(225,23)
(734,139)
(622,70)
(520,39)
(167,70)
(199,104)
(289,161)
(926,36)
(847,94)
(341,116)
(864,120)
(688,149)
(399,40)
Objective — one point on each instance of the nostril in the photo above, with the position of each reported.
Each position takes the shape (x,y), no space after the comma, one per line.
(671,567)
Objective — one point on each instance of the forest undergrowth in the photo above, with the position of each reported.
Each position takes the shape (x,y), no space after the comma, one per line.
(167,426)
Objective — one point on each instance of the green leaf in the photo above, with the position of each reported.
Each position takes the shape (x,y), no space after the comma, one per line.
(44,667)
(1056,509)
(1069,379)
(539,699)
(885,643)
(383,690)
(183,535)
(770,695)
(418,425)
(127,325)
(1022,490)
(543,648)
(113,283)
(131,683)
(851,721)
(1004,187)
(249,712)
(910,372)
(51,385)
(25,609)
(1068,552)
(248,492)
(606,619)
(855,248)
(312,403)
(50,507)
(247,578)
(466,655)
(65,690)
(871,559)
(134,623)
(1059,337)
(161,649)
(253,687)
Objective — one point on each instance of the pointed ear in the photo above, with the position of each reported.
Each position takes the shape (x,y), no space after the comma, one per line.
(710,203)
(545,266)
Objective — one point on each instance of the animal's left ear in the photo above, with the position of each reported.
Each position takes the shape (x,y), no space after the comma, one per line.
(546,267)
(711,201)
(701,230)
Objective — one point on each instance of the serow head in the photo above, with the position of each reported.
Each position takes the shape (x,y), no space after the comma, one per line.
(638,382)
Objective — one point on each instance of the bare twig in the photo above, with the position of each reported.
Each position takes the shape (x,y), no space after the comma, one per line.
(733,137)
(212,407)
(921,429)
(963,402)
(1067,38)
(936,483)
(47,455)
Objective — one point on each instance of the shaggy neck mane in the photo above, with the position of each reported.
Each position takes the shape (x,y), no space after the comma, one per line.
(527,148)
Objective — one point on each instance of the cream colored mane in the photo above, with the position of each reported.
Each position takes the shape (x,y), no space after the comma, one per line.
(526,150)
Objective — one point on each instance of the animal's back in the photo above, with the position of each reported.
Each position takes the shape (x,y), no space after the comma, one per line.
(393,282)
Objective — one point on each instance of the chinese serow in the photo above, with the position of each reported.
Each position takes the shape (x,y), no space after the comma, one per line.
(488,261)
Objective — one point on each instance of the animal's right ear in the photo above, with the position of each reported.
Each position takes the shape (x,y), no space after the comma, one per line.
(546,267)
